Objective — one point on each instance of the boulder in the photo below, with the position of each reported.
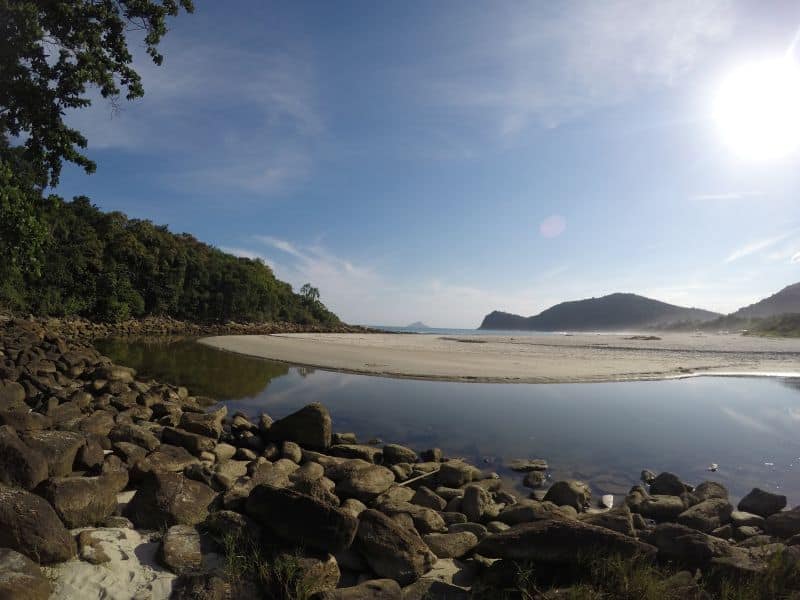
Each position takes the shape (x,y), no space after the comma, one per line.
(390,550)
(762,503)
(783,524)
(365,484)
(21,578)
(707,515)
(170,458)
(451,545)
(617,519)
(687,546)
(394,454)
(193,442)
(29,525)
(428,498)
(425,520)
(180,549)
(204,586)
(527,465)
(22,419)
(227,473)
(91,455)
(59,449)
(292,452)
(310,427)
(134,434)
(668,484)
(206,424)
(12,395)
(455,473)
(742,519)
(20,465)
(301,519)
(477,504)
(527,511)
(476,529)
(559,541)
(228,524)
(313,574)
(569,493)
(709,490)
(535,479)
(114,373)
(361,451)
(661,507)
(165,499)
(374,589)
(81,501)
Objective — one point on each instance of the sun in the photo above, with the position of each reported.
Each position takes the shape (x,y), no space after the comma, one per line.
(757,109)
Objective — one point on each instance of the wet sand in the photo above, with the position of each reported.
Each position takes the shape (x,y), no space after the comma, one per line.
(525,358)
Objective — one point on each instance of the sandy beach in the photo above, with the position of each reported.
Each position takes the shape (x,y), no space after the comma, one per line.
(525,358)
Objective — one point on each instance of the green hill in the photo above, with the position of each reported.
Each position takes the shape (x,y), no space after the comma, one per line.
(105,266)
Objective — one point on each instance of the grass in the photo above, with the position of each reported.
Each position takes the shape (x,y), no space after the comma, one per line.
(278,575)
(616,578)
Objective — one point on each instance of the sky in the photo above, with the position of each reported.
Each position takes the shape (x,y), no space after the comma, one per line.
(435,161)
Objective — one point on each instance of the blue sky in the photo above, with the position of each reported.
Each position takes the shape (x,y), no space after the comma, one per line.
(437,160)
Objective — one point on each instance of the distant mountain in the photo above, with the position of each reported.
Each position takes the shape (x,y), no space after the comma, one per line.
(784,302)
(612,312)
(417,325)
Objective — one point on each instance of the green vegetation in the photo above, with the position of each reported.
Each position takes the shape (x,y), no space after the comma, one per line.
(779,326)
(105,266)
(614,577)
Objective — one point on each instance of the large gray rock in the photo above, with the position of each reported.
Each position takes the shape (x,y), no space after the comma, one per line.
(359,451)
(134,434)
(22,419)
(687,546)
(29,525)
(425,520)
(81,501)
(668,484)
(193,442)
(180,549)
(709,490)
(455,473)
(617,519)
(20,465)
(762,503)
(569,493)
(394,454)
(206,424)
(558,541)
(310,427)
(59,449)
(707,515)
(301,519)
(375,589)
(661,507)
(21,578)
(528,511)
(170,458)
(165,499)
(426,497)
(390,550)
(451,545)
(477,504)
(783,524)
(365,484)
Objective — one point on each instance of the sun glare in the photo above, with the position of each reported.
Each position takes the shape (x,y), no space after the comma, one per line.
(757,109)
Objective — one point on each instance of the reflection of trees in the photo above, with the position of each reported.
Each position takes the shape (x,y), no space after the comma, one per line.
(305,371)
(204,370)
(791,382)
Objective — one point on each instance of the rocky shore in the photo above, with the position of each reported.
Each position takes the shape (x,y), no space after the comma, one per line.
(112,486)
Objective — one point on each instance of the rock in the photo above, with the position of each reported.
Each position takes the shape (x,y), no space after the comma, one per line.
(180,549)
(310,427)
(425,520)
(661,507)
(223,452)
(115,473)
(569,493)
(741,519)
(130,453)
(12,395)
(783,524)
(709,490)
(390,550)
(668,484)
(428,498)
(365,484)
(433,589)
(707,515)
(724,532)
(21,578)
(527,511)
(687,546)
(762,503)
(353,507)
(476,529)
(90,548)
(292,451)
(202,586)
(301,519)
(374,589)
(496,527)
(535,479)
(313,574)
(20,465)
(23,419)
(394,454)
(29,525)
(206,424)
(451,545)
(432,455)
(115,373)
(59,449)
(359,451)
(742,533)
(81,501)
(171,458)
(309,472)
(558,541)
(528,465)
(477,503)
(455,473)
(135,434)
(165,499)
(617,519)
(193,442)
(91,455)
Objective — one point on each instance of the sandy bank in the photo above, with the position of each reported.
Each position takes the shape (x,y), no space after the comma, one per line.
(525,358)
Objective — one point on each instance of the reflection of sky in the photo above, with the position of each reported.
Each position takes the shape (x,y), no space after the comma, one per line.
(606,432)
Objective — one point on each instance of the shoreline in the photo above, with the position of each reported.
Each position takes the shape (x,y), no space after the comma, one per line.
(582,358)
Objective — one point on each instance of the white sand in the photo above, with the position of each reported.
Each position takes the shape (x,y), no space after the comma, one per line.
(525,358)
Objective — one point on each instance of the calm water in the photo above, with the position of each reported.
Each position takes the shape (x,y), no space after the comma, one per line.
(605,433)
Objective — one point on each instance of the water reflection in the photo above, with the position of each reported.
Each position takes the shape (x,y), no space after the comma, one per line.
(604,433)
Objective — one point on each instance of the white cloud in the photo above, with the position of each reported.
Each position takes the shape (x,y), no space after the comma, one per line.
(546,66)
(757,246)
(723,196)
(795,258)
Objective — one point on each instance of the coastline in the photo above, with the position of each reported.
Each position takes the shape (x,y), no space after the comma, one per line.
(578,358)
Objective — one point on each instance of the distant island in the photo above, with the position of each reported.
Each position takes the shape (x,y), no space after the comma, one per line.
(417,325)
(612,312)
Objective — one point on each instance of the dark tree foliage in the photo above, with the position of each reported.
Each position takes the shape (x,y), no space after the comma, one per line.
(106,266)
(50,52)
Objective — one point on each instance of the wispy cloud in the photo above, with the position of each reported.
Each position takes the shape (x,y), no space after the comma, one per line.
(724,196)
(757,246)
(530,65)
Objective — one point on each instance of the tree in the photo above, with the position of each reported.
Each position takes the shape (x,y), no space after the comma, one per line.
(51,51)
(310,294)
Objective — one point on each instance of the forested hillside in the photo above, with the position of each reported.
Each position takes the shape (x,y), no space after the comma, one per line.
(109,267)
